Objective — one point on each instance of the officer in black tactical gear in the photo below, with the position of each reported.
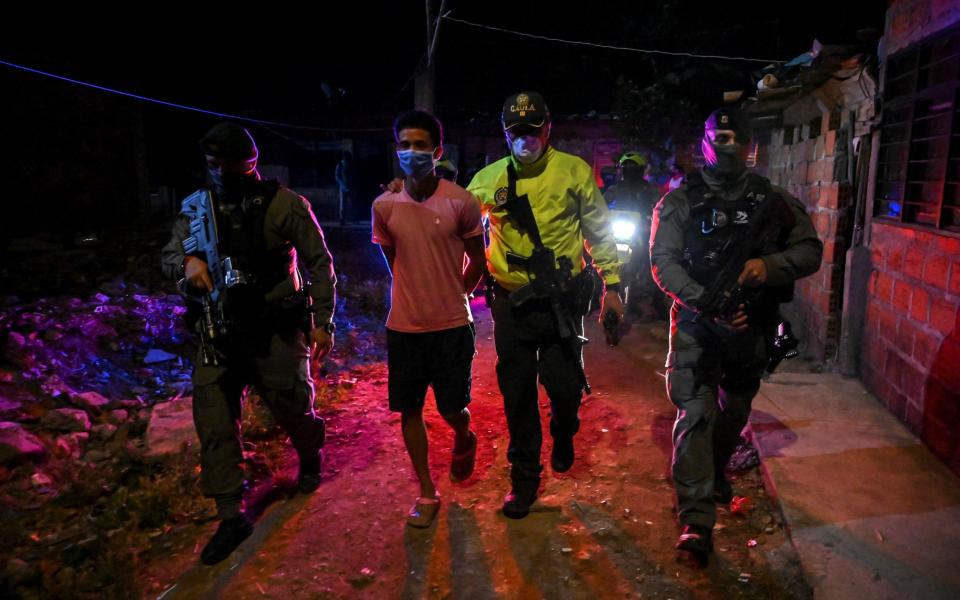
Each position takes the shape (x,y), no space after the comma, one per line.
(714,369)
(279,306)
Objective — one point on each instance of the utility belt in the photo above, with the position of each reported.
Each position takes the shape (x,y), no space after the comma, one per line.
(583,288)
(245,309)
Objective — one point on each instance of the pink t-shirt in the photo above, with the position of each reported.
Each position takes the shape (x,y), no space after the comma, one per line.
(427,292)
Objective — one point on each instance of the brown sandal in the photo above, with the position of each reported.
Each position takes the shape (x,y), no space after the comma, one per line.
(423,511)
(461,467)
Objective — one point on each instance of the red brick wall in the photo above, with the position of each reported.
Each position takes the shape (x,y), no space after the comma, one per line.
(911,20)
(910,355)
(911,338)
(941,410)
(911,342)
(805,169)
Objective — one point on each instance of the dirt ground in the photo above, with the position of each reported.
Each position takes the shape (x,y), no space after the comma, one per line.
(101,520)
(605,529)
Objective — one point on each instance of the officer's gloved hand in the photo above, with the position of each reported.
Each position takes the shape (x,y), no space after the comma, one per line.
(736,322)
(394,186)
(754,273)
(197,274)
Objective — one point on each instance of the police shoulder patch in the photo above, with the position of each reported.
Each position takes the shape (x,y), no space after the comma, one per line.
(500,197)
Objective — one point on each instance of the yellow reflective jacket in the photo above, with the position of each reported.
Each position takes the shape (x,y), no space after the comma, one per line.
(568,208)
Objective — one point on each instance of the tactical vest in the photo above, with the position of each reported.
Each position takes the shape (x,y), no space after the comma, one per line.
(240,229)
(713,221)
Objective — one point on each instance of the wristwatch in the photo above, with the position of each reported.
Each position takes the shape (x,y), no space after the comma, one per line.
(329,327)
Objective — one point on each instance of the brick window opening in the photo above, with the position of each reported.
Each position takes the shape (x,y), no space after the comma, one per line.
(788,135)
(834,123)
(918,172)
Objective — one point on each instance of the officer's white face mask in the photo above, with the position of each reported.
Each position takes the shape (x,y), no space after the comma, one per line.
(527,148)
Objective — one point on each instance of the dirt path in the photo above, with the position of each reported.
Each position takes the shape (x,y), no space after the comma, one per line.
(603,530)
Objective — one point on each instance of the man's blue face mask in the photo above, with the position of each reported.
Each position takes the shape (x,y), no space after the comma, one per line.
(415,163)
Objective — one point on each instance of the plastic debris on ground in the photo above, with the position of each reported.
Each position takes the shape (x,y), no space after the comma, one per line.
(740,505)
(744,458)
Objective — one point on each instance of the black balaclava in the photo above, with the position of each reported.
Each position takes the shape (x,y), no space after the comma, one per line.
(727,162)
(231,141)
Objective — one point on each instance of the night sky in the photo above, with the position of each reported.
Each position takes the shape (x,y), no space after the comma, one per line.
(347,68)
(372,52)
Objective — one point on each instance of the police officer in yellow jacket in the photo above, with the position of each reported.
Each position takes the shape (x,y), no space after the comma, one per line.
(568,209)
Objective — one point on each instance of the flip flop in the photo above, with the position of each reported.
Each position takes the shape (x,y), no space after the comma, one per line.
(423,511)
(463,462)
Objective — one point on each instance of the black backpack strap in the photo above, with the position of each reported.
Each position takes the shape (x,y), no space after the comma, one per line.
(519,208)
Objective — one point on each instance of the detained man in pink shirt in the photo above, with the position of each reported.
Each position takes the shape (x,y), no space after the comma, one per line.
(424,231)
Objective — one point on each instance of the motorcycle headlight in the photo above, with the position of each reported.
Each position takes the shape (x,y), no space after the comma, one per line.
(623,230)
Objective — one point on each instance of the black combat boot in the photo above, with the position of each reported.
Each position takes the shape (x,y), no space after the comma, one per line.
(722,490)
(309,476)
(228,536)
(561,457)
(311,462)
(517,503)
(698,541)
